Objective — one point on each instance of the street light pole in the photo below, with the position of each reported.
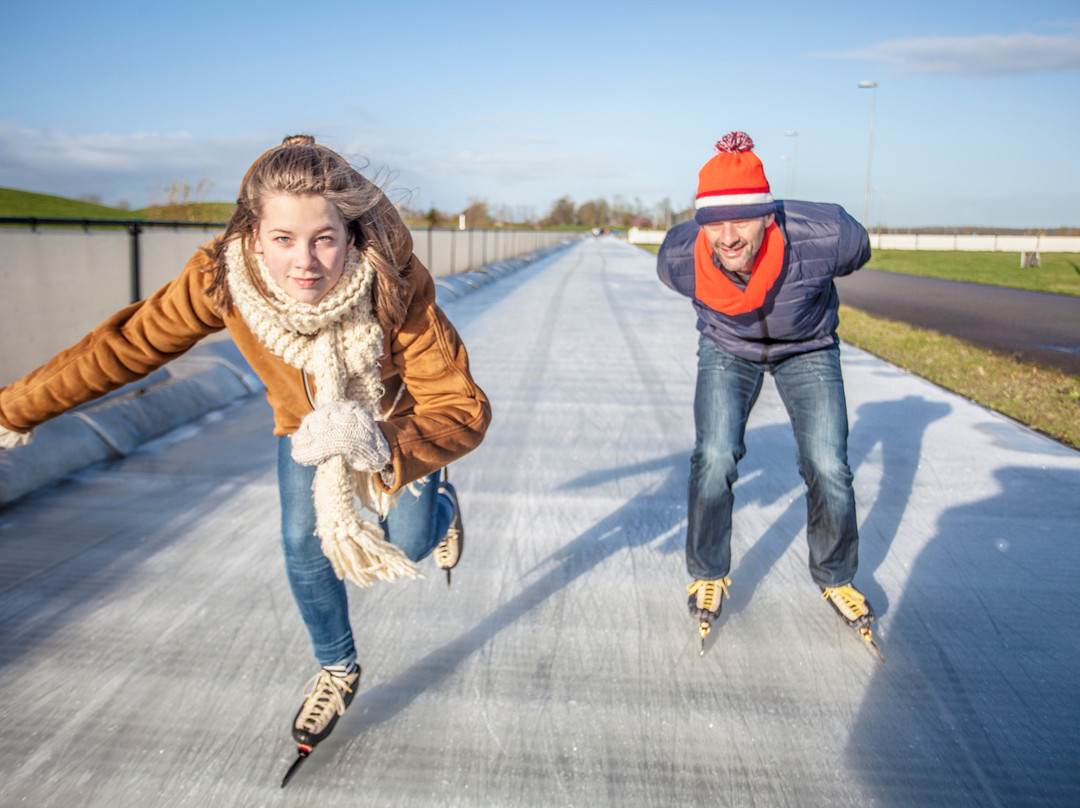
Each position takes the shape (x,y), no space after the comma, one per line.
(787,183)
(794,157)
(867,85)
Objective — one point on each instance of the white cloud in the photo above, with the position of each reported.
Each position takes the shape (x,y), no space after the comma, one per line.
(990,55)
(121,166)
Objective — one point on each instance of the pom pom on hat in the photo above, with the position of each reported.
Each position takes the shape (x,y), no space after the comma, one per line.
(734,142)
(732,184)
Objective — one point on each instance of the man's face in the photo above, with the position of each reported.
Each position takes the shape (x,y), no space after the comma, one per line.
(738,241)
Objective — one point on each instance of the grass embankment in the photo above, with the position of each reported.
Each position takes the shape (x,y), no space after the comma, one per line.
(1046,400)
(46,206)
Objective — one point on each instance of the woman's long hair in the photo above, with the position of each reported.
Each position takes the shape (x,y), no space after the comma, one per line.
(300,167)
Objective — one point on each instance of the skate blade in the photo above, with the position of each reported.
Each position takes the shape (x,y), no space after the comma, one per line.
(703,629)
(868,635)
(301,756)
(448,579)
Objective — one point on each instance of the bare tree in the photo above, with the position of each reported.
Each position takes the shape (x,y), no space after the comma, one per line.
(182,203)
(476,215)
(562,213)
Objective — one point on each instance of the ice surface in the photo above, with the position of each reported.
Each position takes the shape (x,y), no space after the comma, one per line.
(150,653)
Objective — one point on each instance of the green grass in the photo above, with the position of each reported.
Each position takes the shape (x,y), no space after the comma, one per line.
(1044,399)
(27,203)
(1059,273)
(45,206)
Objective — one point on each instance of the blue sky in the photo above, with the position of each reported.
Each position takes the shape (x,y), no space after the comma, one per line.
(976,119)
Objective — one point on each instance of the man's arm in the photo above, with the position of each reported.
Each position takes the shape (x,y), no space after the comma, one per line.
(852,245)
(675,261)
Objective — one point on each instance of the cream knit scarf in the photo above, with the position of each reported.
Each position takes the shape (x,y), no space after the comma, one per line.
(338,341)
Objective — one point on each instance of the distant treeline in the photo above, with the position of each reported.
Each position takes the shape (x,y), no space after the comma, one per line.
(180,204)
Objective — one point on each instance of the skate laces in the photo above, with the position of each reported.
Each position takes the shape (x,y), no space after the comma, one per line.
(709,593)
(848,600)
(446,551)
(325,698)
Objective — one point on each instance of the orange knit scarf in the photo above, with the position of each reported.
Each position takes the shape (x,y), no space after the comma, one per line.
(718,293)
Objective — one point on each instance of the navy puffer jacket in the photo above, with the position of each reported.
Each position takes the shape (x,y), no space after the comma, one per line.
(821,241)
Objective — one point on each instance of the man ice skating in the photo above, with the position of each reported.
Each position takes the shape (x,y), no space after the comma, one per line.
(760,275)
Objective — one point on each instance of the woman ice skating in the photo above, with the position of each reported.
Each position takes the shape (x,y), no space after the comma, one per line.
(315,280)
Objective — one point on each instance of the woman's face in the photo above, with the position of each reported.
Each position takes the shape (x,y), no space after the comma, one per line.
(304,242)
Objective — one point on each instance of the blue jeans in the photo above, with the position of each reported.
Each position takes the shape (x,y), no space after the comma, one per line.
(812,389)
(416,525)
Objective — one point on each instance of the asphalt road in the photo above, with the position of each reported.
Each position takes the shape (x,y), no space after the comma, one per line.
(151,655)
(1039,327)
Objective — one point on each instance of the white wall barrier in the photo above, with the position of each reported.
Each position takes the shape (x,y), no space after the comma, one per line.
(636,235)
(59,283)
(974,243)
(924,241)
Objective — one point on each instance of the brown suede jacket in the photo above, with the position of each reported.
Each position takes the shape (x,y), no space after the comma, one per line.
(439,416)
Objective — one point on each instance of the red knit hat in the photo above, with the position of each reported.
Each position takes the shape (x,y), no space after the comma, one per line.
(732,184)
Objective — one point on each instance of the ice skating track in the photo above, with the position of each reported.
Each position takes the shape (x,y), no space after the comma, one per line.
(150,654)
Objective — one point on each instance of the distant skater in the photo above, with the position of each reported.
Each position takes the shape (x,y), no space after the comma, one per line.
(760,276)
(316,282)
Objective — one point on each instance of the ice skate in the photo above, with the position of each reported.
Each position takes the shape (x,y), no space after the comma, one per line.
(326,697)
(705,600)
(448,551)
(855,610)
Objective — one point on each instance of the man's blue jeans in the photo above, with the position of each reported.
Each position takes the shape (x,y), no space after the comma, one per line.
(812,389)
(416,525)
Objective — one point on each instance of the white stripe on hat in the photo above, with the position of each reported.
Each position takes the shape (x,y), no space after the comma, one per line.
(721,200)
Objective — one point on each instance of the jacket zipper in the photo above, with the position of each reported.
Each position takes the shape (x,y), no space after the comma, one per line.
(307,389)
(764,335)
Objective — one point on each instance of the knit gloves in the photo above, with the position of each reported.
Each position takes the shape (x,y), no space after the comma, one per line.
(341,428)
(10,440)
